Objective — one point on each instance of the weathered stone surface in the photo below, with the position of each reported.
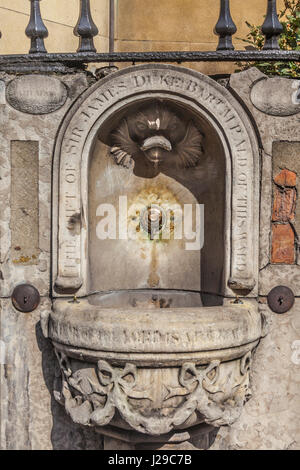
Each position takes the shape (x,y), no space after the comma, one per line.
(277,139)
(279,275)
(265,210)
(168,330)
(275,96)
(270,420)
(156,81)
(30,417)
(2,92)
(191,392)
(36,94)
(131,343)
(266,422)
(163,348)
(24,221)
(270,128)
(42,129)
(142,263)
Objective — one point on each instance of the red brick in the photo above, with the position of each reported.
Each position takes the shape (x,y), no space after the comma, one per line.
(286,178)
(283,244)
(284,205)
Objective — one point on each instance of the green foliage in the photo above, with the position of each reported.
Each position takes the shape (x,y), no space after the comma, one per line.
(289,17)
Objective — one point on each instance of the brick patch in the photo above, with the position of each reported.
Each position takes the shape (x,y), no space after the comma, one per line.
(284,205)
(283,244)
(286,178)
(283,216)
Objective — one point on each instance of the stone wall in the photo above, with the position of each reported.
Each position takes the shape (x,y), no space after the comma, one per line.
(30,417)
(270,418)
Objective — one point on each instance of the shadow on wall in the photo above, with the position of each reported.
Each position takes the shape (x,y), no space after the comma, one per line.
(65,434)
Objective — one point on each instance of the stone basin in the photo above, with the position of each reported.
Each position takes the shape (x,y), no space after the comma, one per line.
(153,371)
(166,335)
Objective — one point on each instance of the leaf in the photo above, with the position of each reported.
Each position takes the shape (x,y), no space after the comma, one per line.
(289,40)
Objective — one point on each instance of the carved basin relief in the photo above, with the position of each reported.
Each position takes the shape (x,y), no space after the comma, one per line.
(149,336)
(159,372)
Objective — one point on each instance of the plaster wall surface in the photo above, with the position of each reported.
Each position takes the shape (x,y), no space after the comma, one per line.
(140,25)
(182,25)
(59,16)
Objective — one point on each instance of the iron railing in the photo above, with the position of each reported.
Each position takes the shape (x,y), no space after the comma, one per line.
(86,30)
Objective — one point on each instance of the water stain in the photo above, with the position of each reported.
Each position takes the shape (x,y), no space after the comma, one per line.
(153,279)
(159,196)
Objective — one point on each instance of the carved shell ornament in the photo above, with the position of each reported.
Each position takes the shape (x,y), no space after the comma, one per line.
(159,134)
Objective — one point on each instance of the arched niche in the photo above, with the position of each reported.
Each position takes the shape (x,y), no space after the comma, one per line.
(225,125)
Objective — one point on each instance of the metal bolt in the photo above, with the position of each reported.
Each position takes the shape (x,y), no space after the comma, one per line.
(25,298)
(281,299)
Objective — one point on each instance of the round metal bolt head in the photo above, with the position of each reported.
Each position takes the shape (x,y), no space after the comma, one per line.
(25,298)
(281,299)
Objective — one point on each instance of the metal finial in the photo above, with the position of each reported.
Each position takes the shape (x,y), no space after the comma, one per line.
(36,30)
(85,28)
(272,27)
(225,27)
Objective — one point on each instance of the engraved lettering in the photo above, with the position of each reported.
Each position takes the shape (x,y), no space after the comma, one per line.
(70,177)
(86,115)
(141,80)
(242,179)
(237,128)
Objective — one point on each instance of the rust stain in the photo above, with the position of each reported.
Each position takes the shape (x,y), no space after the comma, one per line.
(22,260)
(153,279)
(158,195)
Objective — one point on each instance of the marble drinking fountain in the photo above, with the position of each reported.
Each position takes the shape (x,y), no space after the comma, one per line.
(155,336)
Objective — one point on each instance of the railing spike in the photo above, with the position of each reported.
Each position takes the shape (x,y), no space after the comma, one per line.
(36,30)
(272,28)
(225,27)
(85,28)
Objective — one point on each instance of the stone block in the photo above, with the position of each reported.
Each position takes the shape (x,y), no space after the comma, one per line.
(24,202)
(36,94)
